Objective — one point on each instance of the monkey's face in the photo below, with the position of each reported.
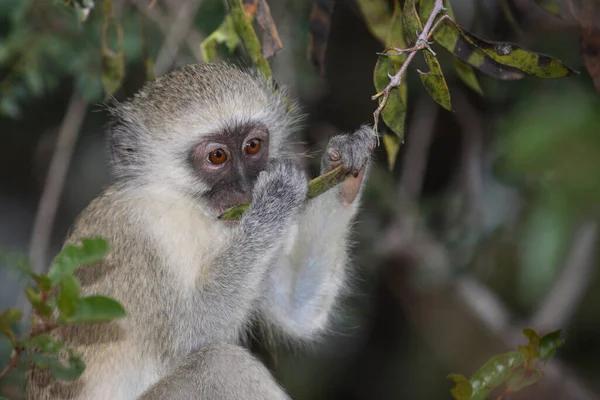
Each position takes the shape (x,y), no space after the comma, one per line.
(228,163)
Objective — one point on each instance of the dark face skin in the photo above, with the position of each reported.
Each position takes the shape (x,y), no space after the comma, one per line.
(230,161)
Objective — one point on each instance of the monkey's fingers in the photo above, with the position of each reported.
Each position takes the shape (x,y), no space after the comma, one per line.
(317,186)
(351,187)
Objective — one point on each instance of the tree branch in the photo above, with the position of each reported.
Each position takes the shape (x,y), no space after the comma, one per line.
(421,133)
(53,188)
(421,43)
(569,288)
(193,38)
(178,32)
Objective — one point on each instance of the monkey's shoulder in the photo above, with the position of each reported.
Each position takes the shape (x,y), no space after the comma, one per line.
(106,216)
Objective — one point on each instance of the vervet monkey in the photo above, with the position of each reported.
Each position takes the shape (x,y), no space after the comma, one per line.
(188,146)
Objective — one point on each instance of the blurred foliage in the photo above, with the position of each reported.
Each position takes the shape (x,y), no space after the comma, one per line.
(501,60)
(44,43)
(56,302)
(515,370)
(550,148)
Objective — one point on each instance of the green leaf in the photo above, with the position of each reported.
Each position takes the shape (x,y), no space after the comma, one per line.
(494,372)
(224,34)
(411,22)
(501,60)
(392,144)
(70,372)
(68,296)
(91,251)
(462,389)
(316,187)
(521,378)
(466,73)
(532,335)
(9,317)
(45,343)
(434,82)
(552,6)
(113,71)
(530,353)
(42,281)
(8,333)
(377,16)
(548,345)
(395,38)
(35,298)
(394,112)
(323,183)
(235,213)
(96,309)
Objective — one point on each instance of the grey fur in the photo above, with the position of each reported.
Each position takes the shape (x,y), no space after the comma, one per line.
(192,284)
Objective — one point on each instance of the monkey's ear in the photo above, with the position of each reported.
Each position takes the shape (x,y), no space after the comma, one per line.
(123,147)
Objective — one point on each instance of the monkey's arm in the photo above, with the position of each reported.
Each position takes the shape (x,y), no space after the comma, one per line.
(237,273)
(218,371)
(303,288)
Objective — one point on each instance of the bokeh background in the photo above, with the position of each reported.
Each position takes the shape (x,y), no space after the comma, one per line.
(487,225)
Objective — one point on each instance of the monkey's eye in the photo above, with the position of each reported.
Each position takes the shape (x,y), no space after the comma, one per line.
(217,156)
(253,146)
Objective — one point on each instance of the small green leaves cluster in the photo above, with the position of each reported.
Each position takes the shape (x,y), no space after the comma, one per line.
(510,372)
(409,30)
(49,41)
(57,302)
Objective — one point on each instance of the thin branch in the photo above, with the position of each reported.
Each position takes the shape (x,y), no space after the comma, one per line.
(179,31)
(569,288)
(471,125)
(14,361)
(421,43)
(421,133)
(53,187)
(193,38)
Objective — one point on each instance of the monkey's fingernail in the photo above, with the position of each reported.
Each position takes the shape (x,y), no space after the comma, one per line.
(333,154)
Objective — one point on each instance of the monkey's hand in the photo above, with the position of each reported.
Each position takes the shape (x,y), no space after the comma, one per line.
(352,152)
(277,196)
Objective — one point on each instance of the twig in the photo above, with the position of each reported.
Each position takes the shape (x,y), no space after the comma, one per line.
(14,361)
(18,350)
(416,155)
(471,125)
(53,187)
(569,288)
(421,43)
(193,38)
(179,31)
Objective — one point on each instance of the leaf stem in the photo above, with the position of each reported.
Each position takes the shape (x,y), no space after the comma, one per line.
(244,29)
(420,44)
(14,361)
